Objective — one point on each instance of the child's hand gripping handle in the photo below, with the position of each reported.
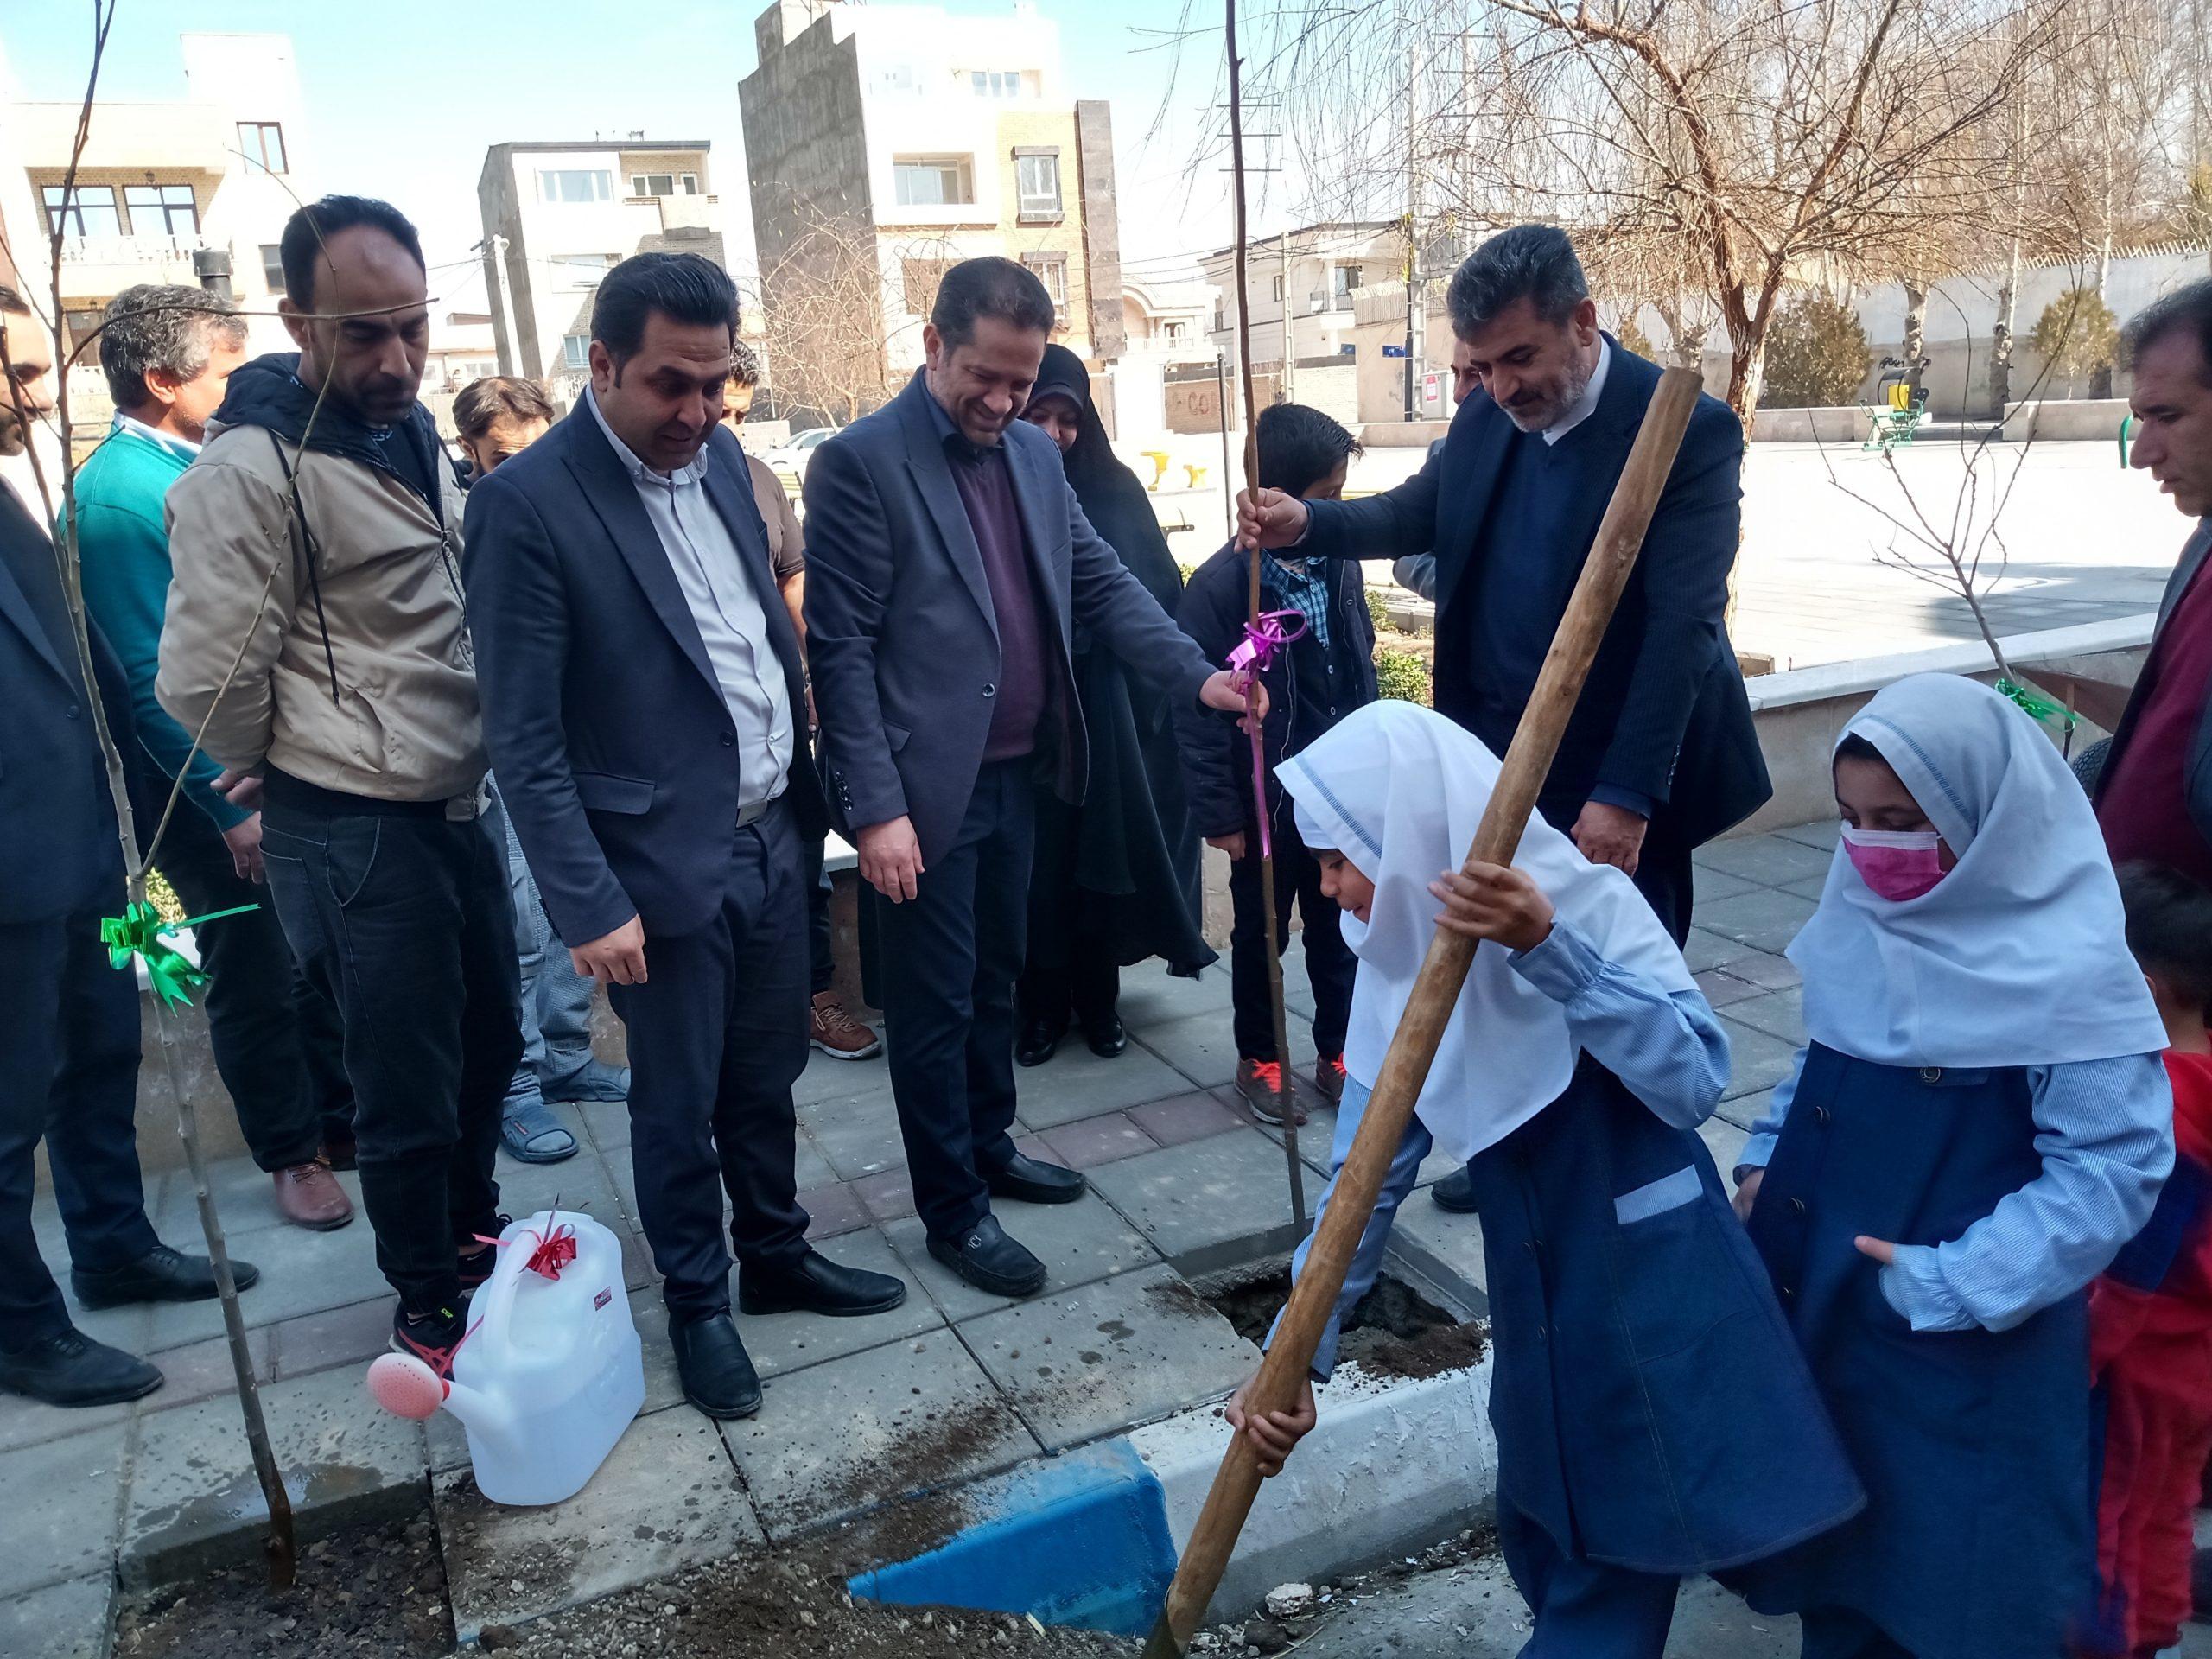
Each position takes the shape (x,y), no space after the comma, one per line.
(1282,1374)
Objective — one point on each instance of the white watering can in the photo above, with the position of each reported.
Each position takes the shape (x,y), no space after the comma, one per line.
(550,1373)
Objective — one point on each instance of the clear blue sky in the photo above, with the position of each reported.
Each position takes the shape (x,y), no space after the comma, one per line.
(404,96)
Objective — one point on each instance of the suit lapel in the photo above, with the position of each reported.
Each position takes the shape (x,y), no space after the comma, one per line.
(26,541)
(925,460)
(2192,555)
(1032,490)
(614,496)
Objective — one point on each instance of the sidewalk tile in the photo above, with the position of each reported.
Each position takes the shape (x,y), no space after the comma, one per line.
(826,1081)
(1150,993)
(338,1336)
(1077,1243)
(1823,834)
(607,1123)
(193,1497)
(1770,861)
(1759,1061)
(1704,950)
(1090,1142)
(1207,1203)
(1718,884)
(911,1415)
(885,1195)
(28,1422)
(1110,1355)
(1203,1047)
(810,1166)
(1444,1246)
(782,1342)
(1722,988)
(834,1209)
(600,1187)
(63,1621)
(1724,1141)
(300,1273)
(1778,1014)
(245,1202)
(666,1499)
(58,1521)
(1745,1110)
(857,1136)
(1769,970)
(1076,1084)
(1764,921)
(1185,1118)
(202,1369)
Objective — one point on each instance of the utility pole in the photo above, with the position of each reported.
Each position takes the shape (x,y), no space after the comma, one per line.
(1412,222)
(1282,281)
(506,338)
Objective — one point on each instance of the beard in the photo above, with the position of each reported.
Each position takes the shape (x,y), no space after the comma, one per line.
(1540,414)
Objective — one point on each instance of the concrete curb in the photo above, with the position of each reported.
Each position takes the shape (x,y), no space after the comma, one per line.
(1092,1538)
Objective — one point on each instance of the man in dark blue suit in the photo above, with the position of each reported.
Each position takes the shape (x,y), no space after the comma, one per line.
(644,702)
(1660,756)
(947,563)
(68,1021)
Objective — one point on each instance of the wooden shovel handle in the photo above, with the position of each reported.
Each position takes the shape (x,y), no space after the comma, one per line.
(1435,992)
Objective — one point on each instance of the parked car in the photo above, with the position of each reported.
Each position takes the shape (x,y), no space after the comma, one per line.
(788,461)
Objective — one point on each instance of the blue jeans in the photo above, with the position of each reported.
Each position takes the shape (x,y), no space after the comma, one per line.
(556,998)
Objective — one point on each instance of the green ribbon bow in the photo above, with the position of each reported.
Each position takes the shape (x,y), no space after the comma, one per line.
(2037,708)
(141,933)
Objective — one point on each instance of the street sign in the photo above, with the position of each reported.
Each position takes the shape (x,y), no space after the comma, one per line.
(1396,351)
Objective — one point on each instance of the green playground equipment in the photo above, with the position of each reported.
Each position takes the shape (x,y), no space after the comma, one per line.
(1900,409)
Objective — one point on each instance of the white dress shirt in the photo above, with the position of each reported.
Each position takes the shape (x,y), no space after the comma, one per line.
(1586,404)
(732,623)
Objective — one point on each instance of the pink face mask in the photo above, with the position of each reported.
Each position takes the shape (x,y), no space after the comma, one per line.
(1895,864)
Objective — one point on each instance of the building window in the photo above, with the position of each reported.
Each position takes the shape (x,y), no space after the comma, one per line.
(996,83)
(576,351)
(1342,280)
(88,210)
(1278,282)
(663,184)
(1173,330)
(1051,270)
(1037,175)
(263,144)
(575,184)
(161,209)
(273,267)
(80,330)
(933,180)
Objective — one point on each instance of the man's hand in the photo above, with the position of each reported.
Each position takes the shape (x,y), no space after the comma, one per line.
(244,841)
(1609,834)
(241,789)
(617,959)
(891,859)
(1270,519)
(1224,690)
(1274,1434)
(1747,1194)
(1879,1249)
(1233,845)
(1492,902)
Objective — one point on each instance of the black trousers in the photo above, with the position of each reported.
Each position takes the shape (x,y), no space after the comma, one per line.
(946,962)
(1665,876)
(717,1037)
(68,1075)
(403,921)
(821,961)
(278,1046)
(1329,962)
(1068,968)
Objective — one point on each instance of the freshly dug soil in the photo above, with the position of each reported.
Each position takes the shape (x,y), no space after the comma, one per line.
(370,1591)
(1395,1331)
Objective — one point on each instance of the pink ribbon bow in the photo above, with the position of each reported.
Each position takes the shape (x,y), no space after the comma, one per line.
(550,1251)
(1263,641)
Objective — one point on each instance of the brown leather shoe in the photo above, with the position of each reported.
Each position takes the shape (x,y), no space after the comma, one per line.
(308,1195)
(837,1033)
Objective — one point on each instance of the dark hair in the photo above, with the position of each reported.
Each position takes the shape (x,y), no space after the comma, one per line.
(682,286)
(1534,263)
(744,364)
(482,402)
(301,250)
(164,326)
(2189,308)
(989,287)
(2169,927)
(1855,748)
(1300,447)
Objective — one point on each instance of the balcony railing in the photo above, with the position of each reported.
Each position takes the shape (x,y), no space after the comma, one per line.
(132,250)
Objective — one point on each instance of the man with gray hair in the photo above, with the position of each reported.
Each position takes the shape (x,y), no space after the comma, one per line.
(168,353)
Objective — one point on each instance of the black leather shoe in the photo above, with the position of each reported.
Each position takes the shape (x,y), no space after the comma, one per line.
(1035,1182)
(69,1369)
(990,1260)
(1107,1041)
(815,1284)
(1039,1042)
(1455,1192)
(161,1275)
(718,1377)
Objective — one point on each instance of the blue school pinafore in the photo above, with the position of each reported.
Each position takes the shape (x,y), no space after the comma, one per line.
(1978,1539)
(1651,1410)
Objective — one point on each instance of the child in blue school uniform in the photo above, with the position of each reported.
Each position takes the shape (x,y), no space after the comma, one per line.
(1653,1418)
(1981,1120)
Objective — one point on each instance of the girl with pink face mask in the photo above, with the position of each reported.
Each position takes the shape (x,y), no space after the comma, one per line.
(1979,1123)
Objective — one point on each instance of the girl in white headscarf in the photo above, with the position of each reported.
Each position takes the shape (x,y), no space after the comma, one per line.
(1636,1345)
(1980,1121)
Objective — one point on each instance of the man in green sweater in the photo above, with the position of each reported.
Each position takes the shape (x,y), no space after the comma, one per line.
(168,353)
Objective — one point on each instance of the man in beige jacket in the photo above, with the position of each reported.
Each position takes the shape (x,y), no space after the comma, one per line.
(315,638)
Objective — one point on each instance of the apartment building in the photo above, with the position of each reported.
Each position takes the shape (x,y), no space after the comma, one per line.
(922,137)
(556,215)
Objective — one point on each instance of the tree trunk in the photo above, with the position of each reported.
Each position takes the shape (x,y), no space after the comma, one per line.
(2000,337)
(1746,374)
(1916,330)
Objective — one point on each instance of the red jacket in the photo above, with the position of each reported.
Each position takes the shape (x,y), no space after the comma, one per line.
(2154,1304)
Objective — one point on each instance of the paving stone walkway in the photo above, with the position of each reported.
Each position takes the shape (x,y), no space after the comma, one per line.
(954,1384)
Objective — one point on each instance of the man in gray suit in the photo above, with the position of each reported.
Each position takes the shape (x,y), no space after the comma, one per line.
(948,565)
(2154,794)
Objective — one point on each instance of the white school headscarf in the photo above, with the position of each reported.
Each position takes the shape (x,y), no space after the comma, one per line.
(1399,792)
(2018,956)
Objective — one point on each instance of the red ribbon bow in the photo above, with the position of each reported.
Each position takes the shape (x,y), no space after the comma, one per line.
(551,1251)
(1263,640)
